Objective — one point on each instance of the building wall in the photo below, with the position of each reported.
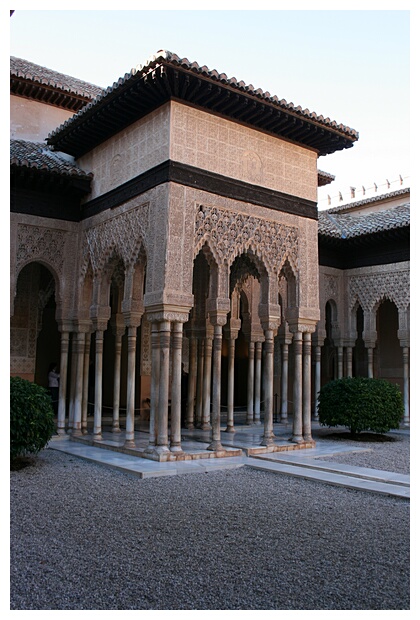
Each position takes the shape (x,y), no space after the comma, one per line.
(222,146)
(33,120)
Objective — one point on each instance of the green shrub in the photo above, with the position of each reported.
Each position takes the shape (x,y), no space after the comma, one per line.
(31,417)
(361,404)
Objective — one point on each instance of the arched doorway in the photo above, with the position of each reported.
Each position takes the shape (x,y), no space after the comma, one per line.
(35,339)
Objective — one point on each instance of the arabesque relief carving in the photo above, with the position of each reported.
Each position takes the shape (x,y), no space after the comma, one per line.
(39,243)
(370,289)
(231,233)
(123,234)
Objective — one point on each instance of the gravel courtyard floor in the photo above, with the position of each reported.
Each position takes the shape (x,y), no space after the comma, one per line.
(91,538)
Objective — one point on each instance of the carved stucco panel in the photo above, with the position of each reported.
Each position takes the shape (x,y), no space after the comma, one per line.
(37,243)
(230,233)
(123,234)
(370,289)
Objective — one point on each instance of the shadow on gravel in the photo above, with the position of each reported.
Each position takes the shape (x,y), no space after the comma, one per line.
(347,436)
(20,462)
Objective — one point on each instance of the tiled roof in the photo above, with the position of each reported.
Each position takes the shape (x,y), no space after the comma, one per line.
(38,156)
(34,81)
(347,226)
(360,203)
(166,75)
(325,178)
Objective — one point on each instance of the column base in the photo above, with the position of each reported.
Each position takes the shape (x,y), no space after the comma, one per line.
(257,422)
(296,439)
(76,432)
(215,446)
(161,450)
(116,429)
(150,449)
(230,429)
(177,449)
(206,427)
(61,431)
(267,441)
(84,431)
(129,443)
(249,421)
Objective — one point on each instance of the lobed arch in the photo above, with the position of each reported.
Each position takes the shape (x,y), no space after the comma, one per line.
(58,290)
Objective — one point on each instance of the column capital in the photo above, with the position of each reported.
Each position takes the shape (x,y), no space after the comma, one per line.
(132,319)
(302,326)
(82,326)
(166,312)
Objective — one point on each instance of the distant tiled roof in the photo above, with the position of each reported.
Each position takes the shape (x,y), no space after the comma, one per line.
(347,226)
(360,203)
(166,75)
(38,156)
(36,82)
(325,178)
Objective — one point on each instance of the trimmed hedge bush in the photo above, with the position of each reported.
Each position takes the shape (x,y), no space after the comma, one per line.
(361,404)
(31,417)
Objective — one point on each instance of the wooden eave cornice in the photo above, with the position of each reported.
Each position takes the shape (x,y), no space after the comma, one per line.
(142,92)
(44,93)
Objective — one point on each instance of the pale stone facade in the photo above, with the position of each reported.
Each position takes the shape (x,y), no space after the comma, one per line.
(186,241)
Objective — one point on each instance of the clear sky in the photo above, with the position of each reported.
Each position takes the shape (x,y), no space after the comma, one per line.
(350,65)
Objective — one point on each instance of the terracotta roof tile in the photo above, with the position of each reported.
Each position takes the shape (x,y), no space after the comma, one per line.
(346,226)
(26,70)
(41,157)
(164,56)
(359,203)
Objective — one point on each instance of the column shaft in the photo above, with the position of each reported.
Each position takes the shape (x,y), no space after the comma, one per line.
(215,415)
(284,382)
(339,362)
(307,346)
(231,385)
(64,356)
(97,415)
(208,346)
(85,383)
(162,419)
(370,362)
(154,386)
(317,379)
(406,386)
(268,387)
(192,382)
(117,384)
(176,387)
(257,390)
(131,384)
(200,371)
(77,413)
(349,361)
(250,386)
(297,389)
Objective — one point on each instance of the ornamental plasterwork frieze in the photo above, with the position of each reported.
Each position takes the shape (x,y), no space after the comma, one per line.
(371,289)
(36,243)
(230,234)
(331,287)
(123,235)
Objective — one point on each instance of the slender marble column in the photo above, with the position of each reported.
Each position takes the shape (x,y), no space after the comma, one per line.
(162,419)
(339,362)
(370,362)
(77,413)
(349,361)
(216,444)
(85,400)
(192,382)
(250,386)
(200,370)
(131,384)
(297,389)
(208,346)
(154,386)
(406,386)
(268,437)
(257,390)
(176,387)
(231,384)
(97,415)
(64,356)
(307,346)
(284,382)
(72,382)
(317,379)
(117,383)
